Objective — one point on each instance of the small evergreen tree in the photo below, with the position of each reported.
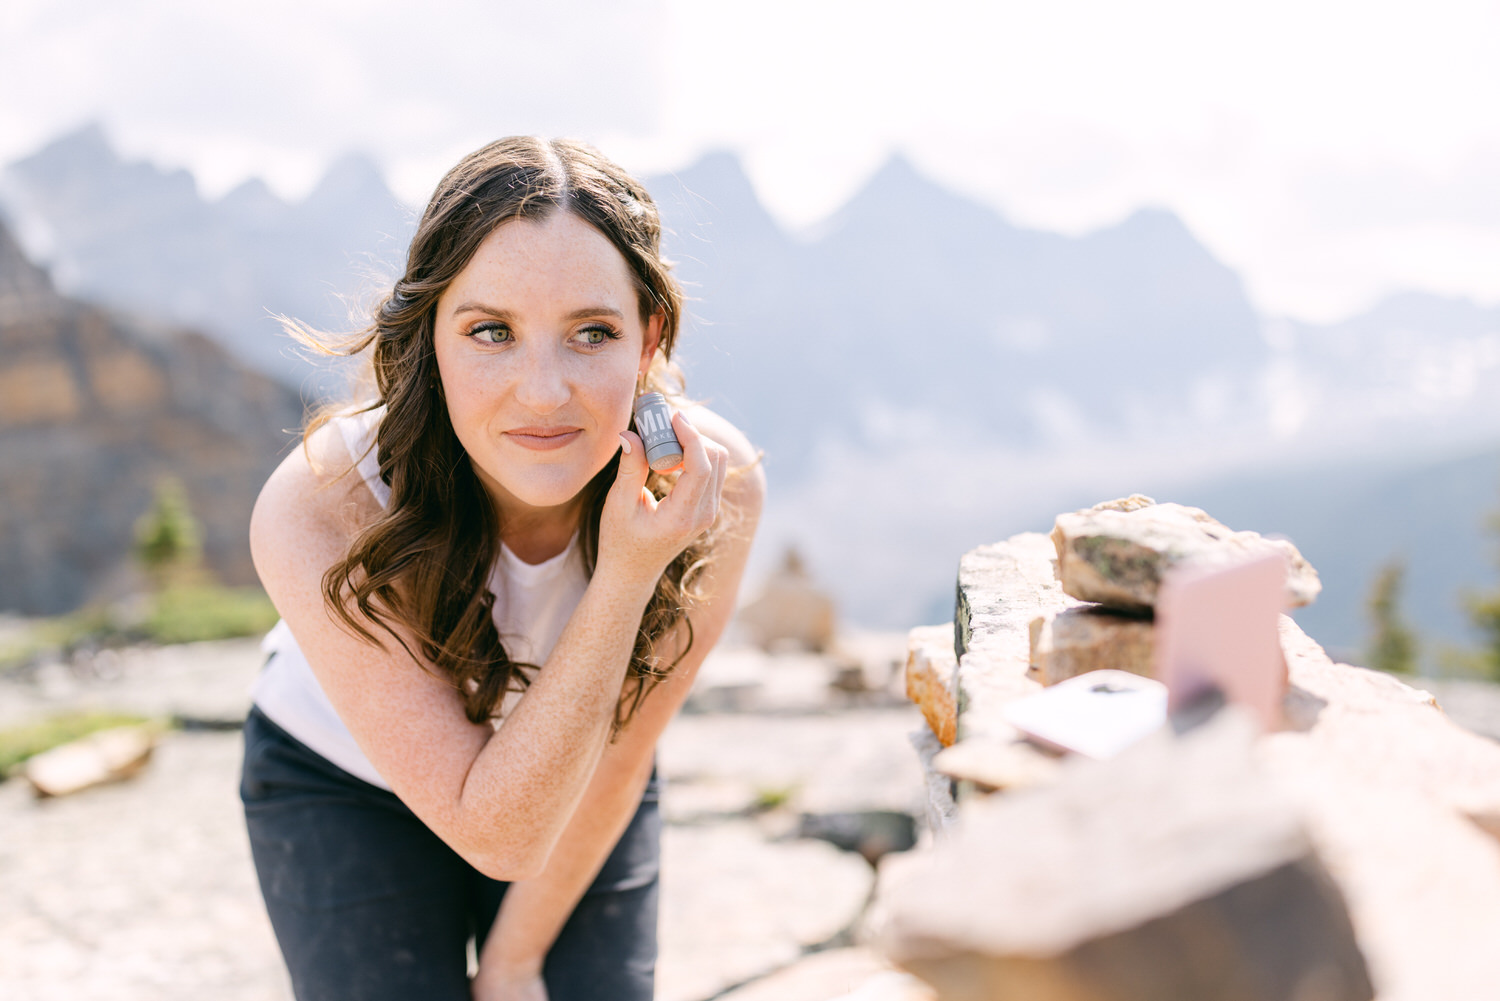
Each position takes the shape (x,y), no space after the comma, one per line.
(1484,613)
(168,539)
(1393,647)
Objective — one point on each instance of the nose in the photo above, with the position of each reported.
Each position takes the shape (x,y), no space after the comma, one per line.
(541,381)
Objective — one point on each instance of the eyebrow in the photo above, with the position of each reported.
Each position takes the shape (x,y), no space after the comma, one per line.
(505,314)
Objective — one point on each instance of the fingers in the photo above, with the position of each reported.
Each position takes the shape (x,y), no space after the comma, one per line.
(701,457)
(631,476)
(696,492)
(692,442)
(638,531)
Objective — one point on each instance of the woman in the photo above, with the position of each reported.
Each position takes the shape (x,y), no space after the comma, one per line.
(491,607)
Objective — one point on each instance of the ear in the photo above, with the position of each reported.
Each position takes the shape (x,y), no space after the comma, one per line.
(652,340)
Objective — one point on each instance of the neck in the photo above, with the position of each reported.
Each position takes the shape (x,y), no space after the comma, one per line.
(538,534)
(534,534)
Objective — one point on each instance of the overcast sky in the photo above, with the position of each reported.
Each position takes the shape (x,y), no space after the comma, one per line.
(1330,151)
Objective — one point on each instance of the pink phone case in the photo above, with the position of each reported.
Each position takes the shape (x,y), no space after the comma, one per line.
(1219,627)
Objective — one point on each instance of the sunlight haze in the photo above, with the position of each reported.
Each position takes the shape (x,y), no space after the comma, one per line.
(1332,152)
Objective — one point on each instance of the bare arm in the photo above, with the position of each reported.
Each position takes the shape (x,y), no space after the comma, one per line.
(534,910)
(500,798)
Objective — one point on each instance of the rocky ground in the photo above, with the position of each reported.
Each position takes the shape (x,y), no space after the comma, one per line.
(143,889)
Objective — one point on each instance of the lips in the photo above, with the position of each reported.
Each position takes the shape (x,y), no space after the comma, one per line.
(543,439)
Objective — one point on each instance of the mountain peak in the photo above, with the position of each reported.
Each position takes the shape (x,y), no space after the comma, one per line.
(714,188)
(1157,230)
(351,178)
(718,177)
(900,191)
(898,173)
(86,147)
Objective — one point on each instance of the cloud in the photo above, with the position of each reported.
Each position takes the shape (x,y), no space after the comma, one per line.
(211,85)
(1331,150)
(1364,196)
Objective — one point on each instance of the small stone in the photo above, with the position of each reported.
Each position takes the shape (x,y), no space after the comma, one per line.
(1116,553)
(993,764)
(931,679)
(105,756)
(1090,638)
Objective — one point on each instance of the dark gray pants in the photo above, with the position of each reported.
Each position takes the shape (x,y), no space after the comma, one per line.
(368,904)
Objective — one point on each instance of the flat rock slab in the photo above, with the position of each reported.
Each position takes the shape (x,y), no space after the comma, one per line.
(1001,588)
(138,891)
(855,760)
(1389,783)
(1175,872)
(1474,705)
(998,765)
(743,679)
(853,974)
(768,901)
(198,681)
(1119,557)
(143,890)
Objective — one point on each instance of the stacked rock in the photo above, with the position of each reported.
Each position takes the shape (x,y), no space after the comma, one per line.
(1113,558)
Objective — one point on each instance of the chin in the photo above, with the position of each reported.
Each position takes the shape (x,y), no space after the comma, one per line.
(547,486)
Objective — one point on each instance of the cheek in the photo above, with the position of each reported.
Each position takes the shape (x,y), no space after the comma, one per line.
(613,397)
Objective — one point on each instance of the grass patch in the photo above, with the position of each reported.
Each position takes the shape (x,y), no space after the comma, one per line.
(193,614)
(769,798)
(22,742)
(181,613)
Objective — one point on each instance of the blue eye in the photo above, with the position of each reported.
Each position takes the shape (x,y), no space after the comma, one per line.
(490,332)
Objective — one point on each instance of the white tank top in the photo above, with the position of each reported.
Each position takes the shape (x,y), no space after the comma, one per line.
(533,602)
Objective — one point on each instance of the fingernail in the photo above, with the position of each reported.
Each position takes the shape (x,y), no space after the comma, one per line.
(625,444)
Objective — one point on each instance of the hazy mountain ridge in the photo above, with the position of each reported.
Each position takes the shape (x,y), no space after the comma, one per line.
(1414,359)
(137,237)
(923,374)
(916,302)
(93,411)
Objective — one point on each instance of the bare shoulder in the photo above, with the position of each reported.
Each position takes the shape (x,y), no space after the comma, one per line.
(717,429)
(747,483)
(309,508)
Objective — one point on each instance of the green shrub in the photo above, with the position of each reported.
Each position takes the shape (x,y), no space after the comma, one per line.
(168,539)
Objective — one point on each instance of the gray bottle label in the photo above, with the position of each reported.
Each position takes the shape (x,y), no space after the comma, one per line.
(653,422)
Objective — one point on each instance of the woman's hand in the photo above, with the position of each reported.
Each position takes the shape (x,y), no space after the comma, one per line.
(503,984)
(639,535)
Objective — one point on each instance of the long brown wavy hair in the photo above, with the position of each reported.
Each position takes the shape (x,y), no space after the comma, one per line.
(426,562)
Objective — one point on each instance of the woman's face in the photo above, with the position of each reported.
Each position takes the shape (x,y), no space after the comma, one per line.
(539,342)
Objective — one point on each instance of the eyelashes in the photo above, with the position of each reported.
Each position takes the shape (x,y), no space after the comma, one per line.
(592,335)
(605,334)
(477,331)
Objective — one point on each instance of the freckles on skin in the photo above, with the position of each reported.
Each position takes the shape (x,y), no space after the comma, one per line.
(538,343)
